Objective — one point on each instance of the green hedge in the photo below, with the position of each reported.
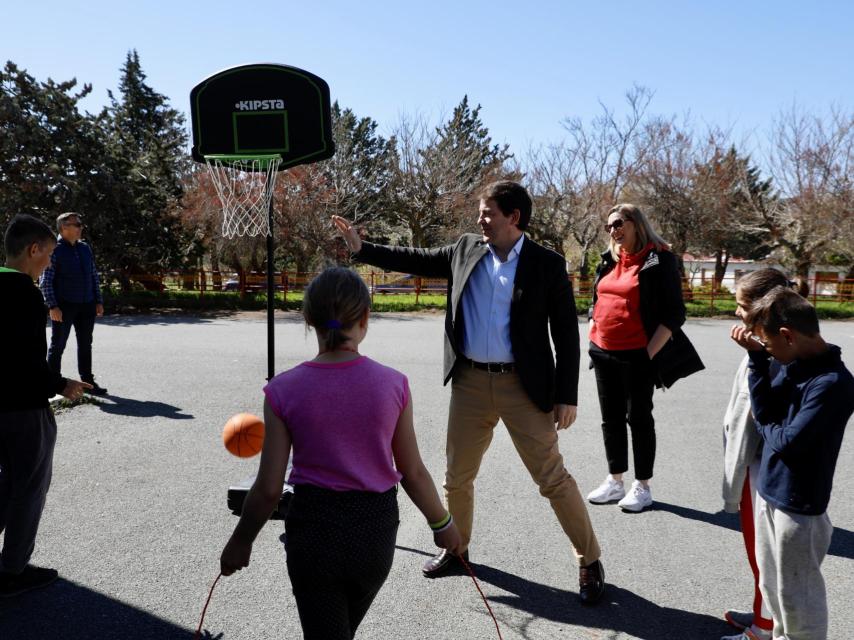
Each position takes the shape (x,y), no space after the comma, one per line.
(138,301)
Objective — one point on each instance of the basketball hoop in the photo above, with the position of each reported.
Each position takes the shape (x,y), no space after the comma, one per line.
(250,122)
(245,187)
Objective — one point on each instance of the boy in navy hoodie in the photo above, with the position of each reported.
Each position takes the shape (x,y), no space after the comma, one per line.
(801,414)
(27,426)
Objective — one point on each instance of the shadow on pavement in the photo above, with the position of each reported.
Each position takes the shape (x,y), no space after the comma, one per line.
(183,316)
(164,318)
(620,610)
(841,544)
(720,519)
(419,552)
(72,612)
(142,408)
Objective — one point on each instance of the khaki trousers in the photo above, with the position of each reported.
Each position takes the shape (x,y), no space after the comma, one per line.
(478,400)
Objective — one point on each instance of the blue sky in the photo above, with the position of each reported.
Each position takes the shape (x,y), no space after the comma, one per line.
(734,64)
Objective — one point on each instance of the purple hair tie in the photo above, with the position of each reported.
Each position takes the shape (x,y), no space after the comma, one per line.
(333,324)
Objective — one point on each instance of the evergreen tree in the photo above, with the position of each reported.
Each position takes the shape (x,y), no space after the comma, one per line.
(360,171)
(353,183)
(146,141)
(728,189)
(466,140)
(51,155)
(438,173)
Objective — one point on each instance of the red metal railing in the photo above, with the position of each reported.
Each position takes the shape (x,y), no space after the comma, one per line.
(382,283)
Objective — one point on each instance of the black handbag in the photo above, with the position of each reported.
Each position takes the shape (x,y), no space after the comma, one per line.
(677,359)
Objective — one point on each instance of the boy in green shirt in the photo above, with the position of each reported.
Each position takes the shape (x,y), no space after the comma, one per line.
(27,425)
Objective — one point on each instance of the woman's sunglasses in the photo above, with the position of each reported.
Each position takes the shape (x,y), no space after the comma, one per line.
(617,224)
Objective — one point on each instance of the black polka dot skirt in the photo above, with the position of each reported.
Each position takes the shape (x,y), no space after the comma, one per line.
(340,547)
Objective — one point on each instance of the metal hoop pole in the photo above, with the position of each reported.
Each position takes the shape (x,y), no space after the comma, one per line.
(271,289)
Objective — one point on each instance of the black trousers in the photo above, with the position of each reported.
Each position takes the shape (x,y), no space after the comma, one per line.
(81,316)
(27,439)
(624,380)
(340,547)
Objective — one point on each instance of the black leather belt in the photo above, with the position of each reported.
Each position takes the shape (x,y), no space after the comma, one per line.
(493,367)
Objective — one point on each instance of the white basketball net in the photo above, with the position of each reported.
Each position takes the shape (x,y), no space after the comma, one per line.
(245,187)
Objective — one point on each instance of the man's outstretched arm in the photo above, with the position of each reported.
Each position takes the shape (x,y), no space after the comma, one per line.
(430,263)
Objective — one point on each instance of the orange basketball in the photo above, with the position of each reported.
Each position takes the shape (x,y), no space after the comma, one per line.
(243,435)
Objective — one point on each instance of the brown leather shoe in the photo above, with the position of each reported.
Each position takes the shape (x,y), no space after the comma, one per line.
(440,564)
(591,582)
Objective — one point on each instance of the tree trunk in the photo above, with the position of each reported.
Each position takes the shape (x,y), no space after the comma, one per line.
(721,263)
(241,277)
(188,280)
(678,252)
(846,289)
(301,265)
(124,280)
(802,268)
(215,269)
(584,266)
(418,236)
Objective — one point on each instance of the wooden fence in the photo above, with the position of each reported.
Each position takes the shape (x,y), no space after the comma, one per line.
(383,283)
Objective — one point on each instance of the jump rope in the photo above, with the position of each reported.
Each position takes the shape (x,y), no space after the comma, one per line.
(460,558)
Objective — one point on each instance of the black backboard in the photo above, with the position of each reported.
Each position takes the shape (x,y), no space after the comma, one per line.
(260,109)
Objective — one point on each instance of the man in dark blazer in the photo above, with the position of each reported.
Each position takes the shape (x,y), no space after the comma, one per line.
(505,294)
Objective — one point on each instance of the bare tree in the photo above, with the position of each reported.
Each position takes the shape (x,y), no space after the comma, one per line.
(305,199)
(201,215)
(567,205)
(665,184)
(811,159)
(576,181)
(551,180)
(726,188)
(418,202)
(612,149)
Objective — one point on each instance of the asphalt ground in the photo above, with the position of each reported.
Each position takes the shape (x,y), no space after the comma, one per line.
(136,516)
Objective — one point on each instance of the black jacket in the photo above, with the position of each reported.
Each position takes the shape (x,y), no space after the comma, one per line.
(26,381)
(660,304)
(542,303)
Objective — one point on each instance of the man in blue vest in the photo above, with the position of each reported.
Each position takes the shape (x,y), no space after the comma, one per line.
(72,291)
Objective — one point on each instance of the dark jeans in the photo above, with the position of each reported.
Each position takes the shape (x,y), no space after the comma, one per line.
(340,547)
(624,380)
(81,316)
(27,439)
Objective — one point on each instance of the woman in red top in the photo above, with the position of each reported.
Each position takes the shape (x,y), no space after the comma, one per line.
(637,311)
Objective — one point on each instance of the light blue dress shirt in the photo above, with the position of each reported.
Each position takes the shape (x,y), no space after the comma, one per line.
(486,307)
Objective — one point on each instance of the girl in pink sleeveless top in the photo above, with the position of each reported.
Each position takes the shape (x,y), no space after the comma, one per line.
(348,421)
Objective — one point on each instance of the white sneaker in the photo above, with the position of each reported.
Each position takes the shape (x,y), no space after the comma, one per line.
(638,499)
(608,491)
